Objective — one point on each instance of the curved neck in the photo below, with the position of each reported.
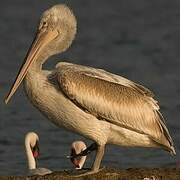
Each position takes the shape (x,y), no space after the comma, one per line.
(55,47)
(36,66)
(30,157)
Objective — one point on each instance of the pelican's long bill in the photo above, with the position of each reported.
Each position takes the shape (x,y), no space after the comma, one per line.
(41,40)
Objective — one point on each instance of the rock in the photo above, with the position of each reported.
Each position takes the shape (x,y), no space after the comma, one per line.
(108,174)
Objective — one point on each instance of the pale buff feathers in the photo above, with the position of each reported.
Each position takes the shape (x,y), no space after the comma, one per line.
(114,99)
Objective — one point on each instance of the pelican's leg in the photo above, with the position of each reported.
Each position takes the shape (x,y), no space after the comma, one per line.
(97,162)
(99,156)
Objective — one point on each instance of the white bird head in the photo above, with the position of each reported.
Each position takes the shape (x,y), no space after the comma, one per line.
(32,141)
(56,31)
(32,148)
(76,148)
(32,152)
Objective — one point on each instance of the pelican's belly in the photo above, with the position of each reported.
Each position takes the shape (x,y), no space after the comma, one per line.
(51,101)
(125,137)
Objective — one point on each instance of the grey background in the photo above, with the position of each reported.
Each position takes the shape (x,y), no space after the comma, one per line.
(135,39)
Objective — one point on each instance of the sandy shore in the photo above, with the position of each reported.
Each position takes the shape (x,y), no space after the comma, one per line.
(110,173)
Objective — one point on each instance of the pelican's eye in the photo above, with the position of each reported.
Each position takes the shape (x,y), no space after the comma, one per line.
(44,24)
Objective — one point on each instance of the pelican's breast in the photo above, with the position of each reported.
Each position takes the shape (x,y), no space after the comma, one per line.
(44,94)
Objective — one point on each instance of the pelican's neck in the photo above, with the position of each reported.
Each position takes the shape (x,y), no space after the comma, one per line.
(30,157)
(36,66)
(57,47)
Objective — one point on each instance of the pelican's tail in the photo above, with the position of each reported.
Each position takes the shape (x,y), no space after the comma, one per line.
(172,151)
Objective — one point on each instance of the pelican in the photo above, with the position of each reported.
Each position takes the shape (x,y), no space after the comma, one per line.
(77,147)
(32,152)
(104,107)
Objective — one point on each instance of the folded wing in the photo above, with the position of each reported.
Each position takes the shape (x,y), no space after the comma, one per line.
(114,99)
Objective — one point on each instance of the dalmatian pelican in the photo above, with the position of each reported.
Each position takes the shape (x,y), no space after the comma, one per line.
(103,107)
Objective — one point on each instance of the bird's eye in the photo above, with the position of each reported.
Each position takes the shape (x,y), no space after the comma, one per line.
(44,24)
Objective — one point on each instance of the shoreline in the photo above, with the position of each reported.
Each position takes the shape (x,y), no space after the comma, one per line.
(108,174)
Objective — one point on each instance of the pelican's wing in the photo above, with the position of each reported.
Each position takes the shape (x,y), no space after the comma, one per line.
(114,99)
(102,74)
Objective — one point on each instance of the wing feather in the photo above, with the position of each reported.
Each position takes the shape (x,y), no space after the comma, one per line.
(114,99)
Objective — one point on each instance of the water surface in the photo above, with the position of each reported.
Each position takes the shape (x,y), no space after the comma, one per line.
(137,40)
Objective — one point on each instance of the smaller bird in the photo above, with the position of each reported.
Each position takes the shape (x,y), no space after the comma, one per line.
(78,160)
(32,152)
(79,152)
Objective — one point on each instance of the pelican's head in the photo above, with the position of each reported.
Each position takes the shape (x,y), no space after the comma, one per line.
(32,143)
(57,27)
(76,148)
(55,33)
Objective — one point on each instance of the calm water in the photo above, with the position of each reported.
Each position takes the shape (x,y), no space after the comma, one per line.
(138,41)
